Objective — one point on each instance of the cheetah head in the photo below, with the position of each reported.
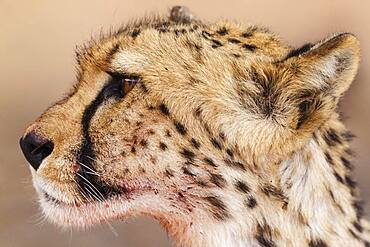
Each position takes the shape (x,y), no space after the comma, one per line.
(168,112)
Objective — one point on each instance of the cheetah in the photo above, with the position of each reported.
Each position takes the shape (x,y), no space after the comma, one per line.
(221,131)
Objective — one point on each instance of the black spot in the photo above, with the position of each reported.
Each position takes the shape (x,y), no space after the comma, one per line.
(162,146)
(216,143)
(189,155)
(358,205)
(216,43)
(242,187)
(143,143)
(218,208)
(358,226)
(328,158)
(273,191)
(133,150)
(169,172)
(198,112)
(135,33)
(113,50)
(210,162)
(264,236)
(218,180)
(331,137)
(251,202)
(168,133)
(195,143)
(350,182)
(317,243)
(180,128)
(354,234)
(249,47)
(187,171)
(151,132)
(335,201)
(207,129)
(247,34)
(222,136)
(206,35)
(338,177)
(235,164)
(202,183)
(223,31)
(143,87)
(230,152)
(348,136)
(346,163)
(234,41)
(163,29)
(163,108)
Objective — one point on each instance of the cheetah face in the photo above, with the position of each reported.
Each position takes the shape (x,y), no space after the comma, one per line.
(166,114)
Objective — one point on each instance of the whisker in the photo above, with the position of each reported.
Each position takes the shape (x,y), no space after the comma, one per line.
(95,174)
(93,187)
(89,197)
(82,192)
(40,220)
(92,192)
(94,159)
(112,229)
(91,170)
(70,236)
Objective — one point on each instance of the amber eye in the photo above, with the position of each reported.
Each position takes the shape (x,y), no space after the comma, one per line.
(129,83)
(119,85)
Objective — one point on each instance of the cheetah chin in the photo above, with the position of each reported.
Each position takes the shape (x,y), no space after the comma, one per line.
(67,212)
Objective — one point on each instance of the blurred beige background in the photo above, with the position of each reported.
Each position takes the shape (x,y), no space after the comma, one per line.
(37,41)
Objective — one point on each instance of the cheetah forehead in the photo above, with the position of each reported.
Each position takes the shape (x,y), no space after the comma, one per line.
(154,38)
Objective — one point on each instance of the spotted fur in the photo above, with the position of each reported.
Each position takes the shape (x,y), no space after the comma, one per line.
(230,137)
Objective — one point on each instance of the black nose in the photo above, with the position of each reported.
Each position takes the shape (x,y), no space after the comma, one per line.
(35,148)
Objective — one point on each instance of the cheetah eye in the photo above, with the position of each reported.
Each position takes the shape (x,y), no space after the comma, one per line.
(120,85)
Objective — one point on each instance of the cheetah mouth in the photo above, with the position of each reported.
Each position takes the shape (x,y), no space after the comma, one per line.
(85,213)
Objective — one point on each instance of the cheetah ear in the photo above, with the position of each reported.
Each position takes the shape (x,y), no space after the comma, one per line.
(181,14)
(322,73)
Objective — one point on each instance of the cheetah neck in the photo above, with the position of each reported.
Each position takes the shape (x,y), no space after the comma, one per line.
(317,206)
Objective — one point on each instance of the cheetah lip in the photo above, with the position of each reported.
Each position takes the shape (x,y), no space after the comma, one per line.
(127,191)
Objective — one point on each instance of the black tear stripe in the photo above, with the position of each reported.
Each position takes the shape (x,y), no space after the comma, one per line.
(87,156)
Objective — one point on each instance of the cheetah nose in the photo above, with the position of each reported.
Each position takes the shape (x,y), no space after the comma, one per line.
(35,148)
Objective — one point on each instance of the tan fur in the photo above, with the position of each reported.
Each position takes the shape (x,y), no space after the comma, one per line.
(225,140)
